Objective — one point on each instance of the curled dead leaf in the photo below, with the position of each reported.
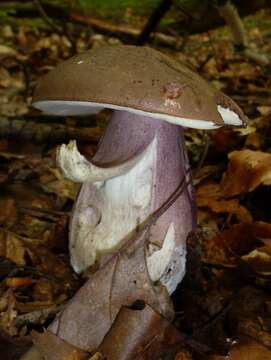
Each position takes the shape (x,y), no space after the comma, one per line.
(232,207)
(226,140)
(245,350)
(8,313)
(12,347)
(51,347)
(11,247)
(15,282)
(209,189)
(8,212)
(139,334)
(209,196)
(43,290)
(183,355)
(247,169)
(120,282)
(55,182)
(260,259)
(239,240)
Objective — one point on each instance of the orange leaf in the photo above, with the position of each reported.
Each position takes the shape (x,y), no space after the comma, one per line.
(235,242)
(247,169)
(246,350)
(225,206)
(19,281)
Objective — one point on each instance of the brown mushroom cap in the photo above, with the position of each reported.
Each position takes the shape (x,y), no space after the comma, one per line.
(133,78)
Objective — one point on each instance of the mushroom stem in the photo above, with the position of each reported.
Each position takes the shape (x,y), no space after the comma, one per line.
(107,214)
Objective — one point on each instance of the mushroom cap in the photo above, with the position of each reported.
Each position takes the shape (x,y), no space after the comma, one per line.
(136,79)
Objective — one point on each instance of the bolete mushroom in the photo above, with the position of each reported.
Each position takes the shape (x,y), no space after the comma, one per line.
(141,158)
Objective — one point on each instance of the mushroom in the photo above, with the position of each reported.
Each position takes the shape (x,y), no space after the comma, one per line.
(141,159)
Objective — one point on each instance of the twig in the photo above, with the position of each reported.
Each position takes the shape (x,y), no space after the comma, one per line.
(45,214)
(38,132)
(153,21)
(203,155)
(231,17)
(83,8)
(52,24)
(46,18)
(43,211)
(36,317)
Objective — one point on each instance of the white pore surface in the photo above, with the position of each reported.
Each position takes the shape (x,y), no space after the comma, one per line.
(64,108)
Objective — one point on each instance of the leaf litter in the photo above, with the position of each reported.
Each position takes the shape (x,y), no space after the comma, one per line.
(223,306)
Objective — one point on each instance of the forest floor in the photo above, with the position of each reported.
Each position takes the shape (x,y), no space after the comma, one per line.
(224,303)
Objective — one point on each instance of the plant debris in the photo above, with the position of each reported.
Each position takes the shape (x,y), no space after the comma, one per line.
(223,306)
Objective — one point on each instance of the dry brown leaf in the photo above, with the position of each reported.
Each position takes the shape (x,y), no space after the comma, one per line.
(9,156)
(260,259)
(205,172)
(183,355)
(8,313)
(8,211)
(32,227)
(226,140)
(4,299)
(254,328)
(209,196)
(49,262)
(96,356)
(244,70)
(52,347)
(254,140)
(209,189)
(39,316)
(43,290)
(235,242)
(249,315)
(245,350)
(15,248)
(232,207)
(28,196)
(247,169)
(11,247)
(15,282)
(6,51)
(139,334)
(93,309)
(11,83)
(12,347)
(57,236)
(33,306)
(55,182)
(264,110)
